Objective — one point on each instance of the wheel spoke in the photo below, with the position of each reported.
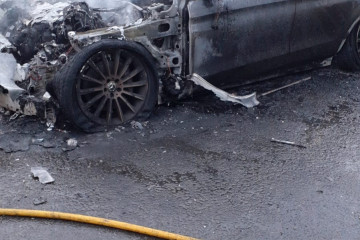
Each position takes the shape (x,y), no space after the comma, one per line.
(125,67)
(109,111)
(90,90)
(128,104)
(117,61)
(134,95)
(106,63)
(94,67)
(94,100)
(90,79)
(100,107)
(119,110)
(135,84)
(132,74)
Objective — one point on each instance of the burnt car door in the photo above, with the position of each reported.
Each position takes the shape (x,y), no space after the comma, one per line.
(225,35)
(320,27)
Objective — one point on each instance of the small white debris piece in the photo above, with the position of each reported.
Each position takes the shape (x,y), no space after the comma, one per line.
(21,72)
(137,125)
(46,96)
(71,34)
(114,28)
(248,101)
(177,85)
(36,141)
(72,142)
(14,116)
(39,201)
(50,126)
(42,174)
(139,21)
(287,143)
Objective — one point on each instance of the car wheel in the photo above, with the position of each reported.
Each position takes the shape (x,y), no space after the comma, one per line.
(108,83)
(349,56)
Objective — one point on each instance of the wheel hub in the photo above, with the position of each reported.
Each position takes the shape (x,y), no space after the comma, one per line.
(111,86)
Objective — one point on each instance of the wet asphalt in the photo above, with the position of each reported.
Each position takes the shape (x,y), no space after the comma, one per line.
(201,168)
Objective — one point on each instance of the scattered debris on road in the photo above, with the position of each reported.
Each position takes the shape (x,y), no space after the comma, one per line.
(39,201)
(287,143)
(72,142)
(43,175)
(137,125)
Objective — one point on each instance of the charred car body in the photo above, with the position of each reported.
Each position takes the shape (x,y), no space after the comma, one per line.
(113,73)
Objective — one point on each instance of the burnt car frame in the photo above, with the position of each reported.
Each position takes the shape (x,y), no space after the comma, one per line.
(119,72)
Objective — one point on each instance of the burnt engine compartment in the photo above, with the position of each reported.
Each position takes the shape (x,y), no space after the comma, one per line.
(38,35)
(30,38)
(45,35)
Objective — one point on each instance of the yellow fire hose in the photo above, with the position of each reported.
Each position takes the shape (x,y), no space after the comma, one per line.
(94,221)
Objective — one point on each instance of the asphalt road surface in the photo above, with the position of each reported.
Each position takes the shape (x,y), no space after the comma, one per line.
(201,168)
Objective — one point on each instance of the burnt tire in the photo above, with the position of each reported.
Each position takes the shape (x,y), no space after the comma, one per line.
(348,58)
(108,83)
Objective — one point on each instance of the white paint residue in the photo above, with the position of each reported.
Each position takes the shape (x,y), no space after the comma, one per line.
(138,21)
(115,28)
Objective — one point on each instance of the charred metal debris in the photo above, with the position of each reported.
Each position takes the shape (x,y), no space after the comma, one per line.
(44,36)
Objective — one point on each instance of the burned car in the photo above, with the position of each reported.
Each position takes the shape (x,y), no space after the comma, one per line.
(110,73)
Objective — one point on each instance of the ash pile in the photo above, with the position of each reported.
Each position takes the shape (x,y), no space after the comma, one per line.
(34,45)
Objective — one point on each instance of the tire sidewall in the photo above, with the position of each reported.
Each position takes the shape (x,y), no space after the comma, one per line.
(353,45)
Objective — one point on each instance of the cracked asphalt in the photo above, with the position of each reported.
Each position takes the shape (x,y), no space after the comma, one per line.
(201,168)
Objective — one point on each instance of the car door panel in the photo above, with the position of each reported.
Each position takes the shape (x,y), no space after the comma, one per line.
(320,26)
(230,34)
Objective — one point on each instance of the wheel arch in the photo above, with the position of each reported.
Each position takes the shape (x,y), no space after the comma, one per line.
(65,85)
